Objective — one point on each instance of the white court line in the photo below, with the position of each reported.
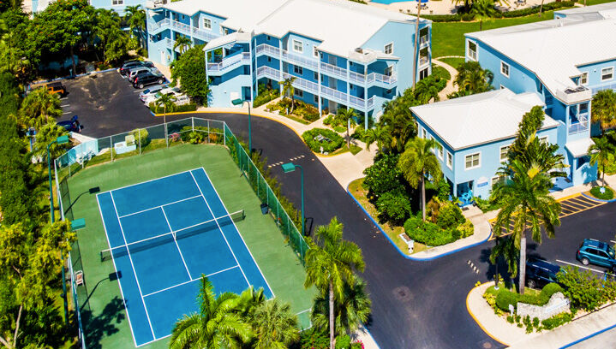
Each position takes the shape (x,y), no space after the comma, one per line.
(176,244)
(187,282)
(304,311)
(223,234)
(116,270)
(133,266)
(151,180)
(161,206)
(238,231)
(581,266)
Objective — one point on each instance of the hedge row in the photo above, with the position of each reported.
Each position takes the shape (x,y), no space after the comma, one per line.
(458,17)
(176,109)
(504,297)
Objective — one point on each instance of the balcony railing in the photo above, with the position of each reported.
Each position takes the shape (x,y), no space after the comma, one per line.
(267,72)
(295,59)
(423,40)
(271,50)
(169,43)
(596,89)
(423,61)
(182,28)
(152,25)
(227,62)
(303,84)
(579,127)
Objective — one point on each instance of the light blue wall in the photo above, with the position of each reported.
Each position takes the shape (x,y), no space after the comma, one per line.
(215,20)
(594,73)
(307,45)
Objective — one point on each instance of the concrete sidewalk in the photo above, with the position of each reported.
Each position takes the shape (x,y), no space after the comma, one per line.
(514,337)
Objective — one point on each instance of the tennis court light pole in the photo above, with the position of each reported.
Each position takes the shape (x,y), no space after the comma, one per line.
(60,140)
(290,167)
(240,102)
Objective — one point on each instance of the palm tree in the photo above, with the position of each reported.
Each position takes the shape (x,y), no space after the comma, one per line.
(505,247)
(183,42)
(418,162)
(350,311)
(346,115)
(426,90)
(602,153)
(217,325)
(526,204)
(46,135)
(289,90)
(416,50)
(483,10)
(167,101)
(603,109)
(473,79)
(399,122)
(275,325)
(135,17)
(39,108)
(379,134)
(330,263)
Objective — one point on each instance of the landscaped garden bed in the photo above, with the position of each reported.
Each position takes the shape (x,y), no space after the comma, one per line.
(606,194)
(300,112)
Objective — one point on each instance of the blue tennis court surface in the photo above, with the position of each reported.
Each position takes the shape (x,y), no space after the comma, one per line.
(163,235)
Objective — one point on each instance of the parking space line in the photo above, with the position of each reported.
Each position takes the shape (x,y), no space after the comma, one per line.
(63,98)
(583,203)
(581,266)
(586,200)
(67,112)
(572,204)
(64,106)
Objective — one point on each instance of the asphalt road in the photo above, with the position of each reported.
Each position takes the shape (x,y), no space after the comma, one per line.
(415,304)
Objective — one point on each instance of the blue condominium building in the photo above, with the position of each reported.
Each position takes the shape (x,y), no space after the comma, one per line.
(559,65)
(339,52)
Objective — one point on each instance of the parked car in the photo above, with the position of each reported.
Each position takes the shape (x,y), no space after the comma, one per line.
(152,90)
(145,79)
(153,97)
(71,125)
(597,252)
(540,272)
(182,99)
(136,71)
(56,87)
(127,66)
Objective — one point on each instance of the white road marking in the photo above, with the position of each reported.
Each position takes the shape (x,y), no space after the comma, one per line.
(612,241)
(580,266)
(67,112)
(66,105)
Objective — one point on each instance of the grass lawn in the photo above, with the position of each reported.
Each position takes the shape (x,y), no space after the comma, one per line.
(448,37)
(454,62)
(595,2)
(440,71)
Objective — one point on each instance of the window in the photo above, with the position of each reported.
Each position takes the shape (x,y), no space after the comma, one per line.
(268,38)
(298,93)
(298,70)
(297,46)
(269,59)
(503,153)
(389,71)
(439,150)
(183,17)
(316,99)
(505,69)
(423,36)
(424,134)
(207,24)
(117,2)
(472,50)
(389,48)
(449,160)
(502,87)
(584,78)
(544,139)
(607,73)
(583,108)
(315,52)
(472,161)
(316,76)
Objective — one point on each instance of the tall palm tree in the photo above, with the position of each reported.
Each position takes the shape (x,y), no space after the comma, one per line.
(275,325)
(416,50)
(426,90)
(603,109)
(289,90)
(347,116)
(505,247)
(167,101)
(601,153)
(418,162)
(183,42)
(330,263)
(45,135)
(39,108)
(483,10)
(135,17)
(379,134)
(350,311)
(473,79)
(398,120)
(216,326)
(526,202)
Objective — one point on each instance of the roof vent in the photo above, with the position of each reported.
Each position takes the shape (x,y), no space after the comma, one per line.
(359,50)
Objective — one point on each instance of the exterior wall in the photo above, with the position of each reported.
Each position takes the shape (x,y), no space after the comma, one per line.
(594,75)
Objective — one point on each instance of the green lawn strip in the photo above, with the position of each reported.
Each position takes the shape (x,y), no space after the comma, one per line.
(595,2)
(454,62)
(104,316)
(357,190)
(441,72)
(448,37)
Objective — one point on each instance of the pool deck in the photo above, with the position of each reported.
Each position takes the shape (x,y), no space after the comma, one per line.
(443,7)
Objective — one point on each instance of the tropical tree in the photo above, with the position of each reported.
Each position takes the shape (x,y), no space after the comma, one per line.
(217,325)
(113,40)
(379,135)
(418,162)
(350,311)
(526,205)
(601,153)
(182,42)
(167,101)
(330,263)
(289,90)
(39,108)
(428,89)
(472,79)
(45,136)
(274,324)
(603,109)
(188,70)
(398,120)
(483,10)
(347,116)
(506,248)
(135,17)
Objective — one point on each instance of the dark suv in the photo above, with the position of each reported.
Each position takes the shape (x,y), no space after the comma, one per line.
(540,273)
(596,252)
(127,66)
(147,78)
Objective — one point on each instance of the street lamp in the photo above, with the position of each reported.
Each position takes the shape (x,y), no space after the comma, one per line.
(290,167)
(60,140)
(240,102)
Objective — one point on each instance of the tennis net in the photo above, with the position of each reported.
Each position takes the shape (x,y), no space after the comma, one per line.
(166,238)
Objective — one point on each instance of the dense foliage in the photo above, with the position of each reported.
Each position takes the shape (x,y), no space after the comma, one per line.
(321,138)
(189,71)
(585,290)
(434,234)
(265,95)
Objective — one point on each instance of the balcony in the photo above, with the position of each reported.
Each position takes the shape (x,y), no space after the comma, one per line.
(580,126)
(270,73)
(423,41)
(423,61)
(228,62)
(183,28)
(611,86)
(574,94)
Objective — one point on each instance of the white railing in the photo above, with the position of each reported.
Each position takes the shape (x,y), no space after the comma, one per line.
(267,72)
(333,70)
(152,25)
(580,126)
(303,84)
(268,49)
(423,61)
(357,102)
(169,43)
(228,62)
(293,58)
(596,89)
(203,34)
(370,103)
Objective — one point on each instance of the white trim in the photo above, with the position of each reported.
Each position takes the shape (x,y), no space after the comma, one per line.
(189,281)
(503,64)
(424,133)
(301,46)
(391,49)
(500,153)
(176,244)
(478,162)
(544,139)
(468,50)
(449,156)
(209,21)
(611,69)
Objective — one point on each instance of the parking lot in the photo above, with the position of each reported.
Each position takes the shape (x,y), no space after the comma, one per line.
(106,104)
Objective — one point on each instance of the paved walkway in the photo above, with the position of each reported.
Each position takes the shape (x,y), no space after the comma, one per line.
(450,88)
(516,338)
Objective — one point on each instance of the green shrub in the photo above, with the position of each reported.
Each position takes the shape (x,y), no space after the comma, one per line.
(383,176)
(504,298)
(450,216)
(608,195)
(582,288)
(314,338)
(328,120)
(549,290)
(394,207)
(340,129)
(141,136)
(467,17)
(532,10)
(343,342)
(195,137)
(466,229)
(176,109)
(328,140)
(444,18)
(429,233)
(265,95)
(485,205)
(557,320)
(510,319)
(360,133)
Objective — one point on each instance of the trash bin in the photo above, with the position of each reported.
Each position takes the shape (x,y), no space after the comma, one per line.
(264,208)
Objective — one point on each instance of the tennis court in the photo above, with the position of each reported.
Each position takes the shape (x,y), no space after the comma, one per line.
(163,235)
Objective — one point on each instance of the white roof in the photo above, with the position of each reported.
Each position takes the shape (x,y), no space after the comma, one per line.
(341,25)
(478,119)
(580,147)
(227,39)
(601,11)
(554,49)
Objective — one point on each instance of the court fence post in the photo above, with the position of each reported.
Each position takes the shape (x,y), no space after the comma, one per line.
(192,120)
(140,130)
(208,131)
(111,147)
